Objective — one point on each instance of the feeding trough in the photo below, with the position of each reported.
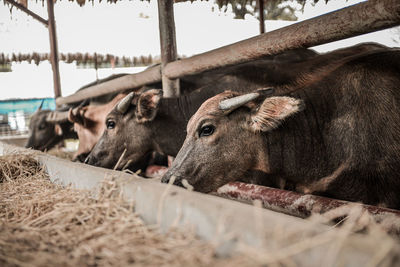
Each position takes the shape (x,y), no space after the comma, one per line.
(232,227)
(260,235)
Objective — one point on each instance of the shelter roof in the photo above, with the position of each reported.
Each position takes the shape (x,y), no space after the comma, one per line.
(275,9)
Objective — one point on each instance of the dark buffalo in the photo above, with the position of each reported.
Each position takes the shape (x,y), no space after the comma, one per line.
(146,122)
(48,128)
(88,123)
(334,131)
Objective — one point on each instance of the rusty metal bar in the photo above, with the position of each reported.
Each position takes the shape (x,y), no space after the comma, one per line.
(130,81)
(168,45)
(27,11)
(297,204)
(359,19)
(261,16)
(53,49)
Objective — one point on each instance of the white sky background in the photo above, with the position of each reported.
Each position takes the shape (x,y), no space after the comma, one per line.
(120,29)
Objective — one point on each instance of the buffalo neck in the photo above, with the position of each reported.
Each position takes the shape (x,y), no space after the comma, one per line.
(296,149)
(172,117)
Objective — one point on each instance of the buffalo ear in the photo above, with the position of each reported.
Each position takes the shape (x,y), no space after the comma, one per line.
(273,111)
(77,115)
(147,105)
(58,130)
(74,116)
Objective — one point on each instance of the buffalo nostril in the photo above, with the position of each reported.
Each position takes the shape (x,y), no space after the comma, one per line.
(165,180)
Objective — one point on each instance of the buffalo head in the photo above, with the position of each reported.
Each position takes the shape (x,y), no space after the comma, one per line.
(89,124)
(46,129)
(127,129)
(225,138)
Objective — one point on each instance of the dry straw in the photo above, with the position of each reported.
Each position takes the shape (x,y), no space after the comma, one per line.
(61,153)
(43,224)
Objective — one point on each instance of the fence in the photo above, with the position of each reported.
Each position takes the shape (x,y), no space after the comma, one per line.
(359,19)
(14,123)
(15,114)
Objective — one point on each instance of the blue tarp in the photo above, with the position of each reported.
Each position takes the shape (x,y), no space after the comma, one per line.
(28,106)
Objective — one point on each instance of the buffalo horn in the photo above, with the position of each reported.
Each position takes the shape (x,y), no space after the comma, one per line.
(73,116)
(41,105)
(235,102)
(123,105)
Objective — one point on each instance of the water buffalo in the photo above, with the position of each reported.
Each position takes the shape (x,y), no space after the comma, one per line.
(89,124)
(164,128)
(334,131)
(48,128)
(146,122)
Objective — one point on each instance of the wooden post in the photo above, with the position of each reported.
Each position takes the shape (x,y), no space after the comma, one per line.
(168,45)
(53,49)
(261,17)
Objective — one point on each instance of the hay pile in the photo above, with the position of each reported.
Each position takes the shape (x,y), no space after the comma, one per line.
(60,152)
(14,166)
(43,224)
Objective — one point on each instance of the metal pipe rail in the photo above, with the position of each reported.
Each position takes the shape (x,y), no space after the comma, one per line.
(150,75)
(299,205)
(359,19)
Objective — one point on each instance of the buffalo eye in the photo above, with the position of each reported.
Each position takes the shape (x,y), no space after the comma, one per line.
(110,124)
(42,126)
(206,130)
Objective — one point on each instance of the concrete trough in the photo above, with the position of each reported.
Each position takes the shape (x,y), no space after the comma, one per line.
(229,224)
(18,140)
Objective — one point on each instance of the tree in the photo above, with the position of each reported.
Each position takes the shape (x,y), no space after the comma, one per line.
(274,9)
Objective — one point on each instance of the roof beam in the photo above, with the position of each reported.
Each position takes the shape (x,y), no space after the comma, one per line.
(130,81)
(27,11)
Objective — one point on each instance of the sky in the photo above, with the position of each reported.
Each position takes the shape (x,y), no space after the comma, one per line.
(130,28)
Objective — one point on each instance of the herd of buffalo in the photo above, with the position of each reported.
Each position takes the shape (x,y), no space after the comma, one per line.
(326,124)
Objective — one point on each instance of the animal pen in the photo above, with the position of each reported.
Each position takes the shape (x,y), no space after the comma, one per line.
(209,214)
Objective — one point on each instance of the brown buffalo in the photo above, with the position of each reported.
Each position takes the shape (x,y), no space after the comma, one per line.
(334,131)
